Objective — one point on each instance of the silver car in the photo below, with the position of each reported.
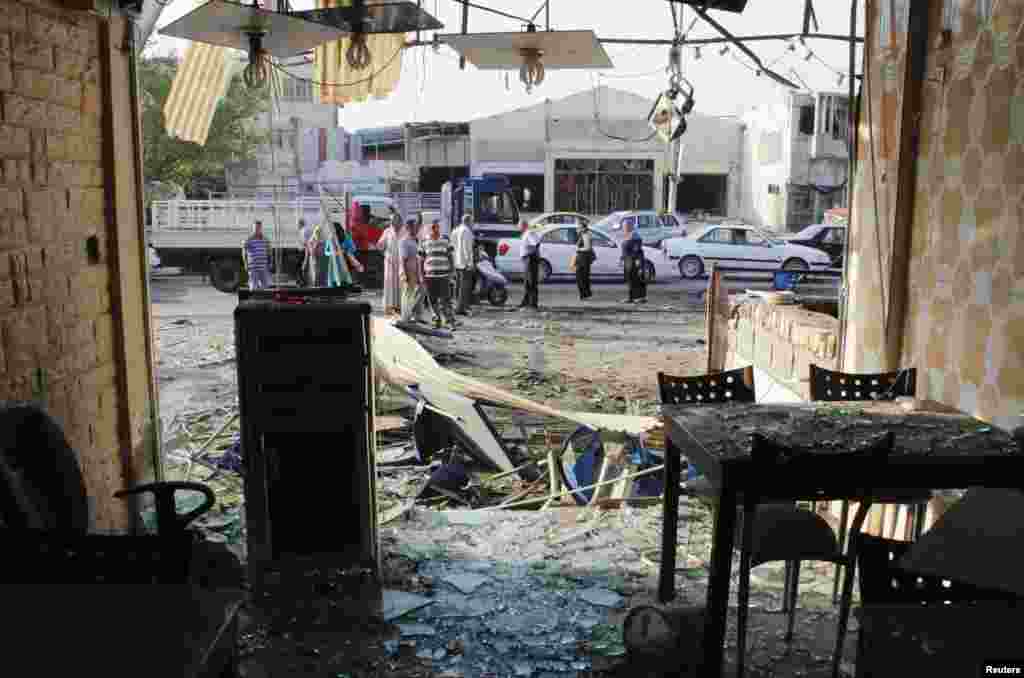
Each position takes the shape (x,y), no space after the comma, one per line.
(652,225)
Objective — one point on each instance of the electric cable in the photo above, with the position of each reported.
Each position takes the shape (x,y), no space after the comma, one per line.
(613,137)
(342,84)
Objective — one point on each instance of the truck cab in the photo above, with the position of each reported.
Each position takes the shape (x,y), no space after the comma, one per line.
(490,203)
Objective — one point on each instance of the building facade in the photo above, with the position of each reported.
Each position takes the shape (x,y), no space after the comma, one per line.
(299,127)
(796,160)
(438,152)
(593,153)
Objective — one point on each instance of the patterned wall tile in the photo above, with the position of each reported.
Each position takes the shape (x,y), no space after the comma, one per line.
(966,298)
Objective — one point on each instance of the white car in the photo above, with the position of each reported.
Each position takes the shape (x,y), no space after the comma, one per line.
(740,247)
(567,218)
(558,246)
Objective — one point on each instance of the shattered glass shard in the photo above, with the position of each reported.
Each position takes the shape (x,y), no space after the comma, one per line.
(467,582)
(414,630)
(601,597)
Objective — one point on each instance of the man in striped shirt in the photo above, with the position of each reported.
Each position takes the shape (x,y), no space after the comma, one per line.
(257,259)
(436,254)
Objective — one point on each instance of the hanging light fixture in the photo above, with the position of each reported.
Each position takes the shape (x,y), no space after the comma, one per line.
(533,52)
(842,77)
(792,45)
(723,51)
(250,28)
(531,73)
(808,56)
(696,53)
(257,71)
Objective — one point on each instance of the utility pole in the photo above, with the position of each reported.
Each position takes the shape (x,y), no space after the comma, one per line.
(675,59)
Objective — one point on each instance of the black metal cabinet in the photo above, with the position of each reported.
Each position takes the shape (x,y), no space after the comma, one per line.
(305,384)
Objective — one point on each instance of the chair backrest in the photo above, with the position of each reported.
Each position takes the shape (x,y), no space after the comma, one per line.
(883,583)
(708,389)
(827,385)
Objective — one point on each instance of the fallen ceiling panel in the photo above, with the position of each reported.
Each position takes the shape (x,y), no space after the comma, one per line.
(402,361)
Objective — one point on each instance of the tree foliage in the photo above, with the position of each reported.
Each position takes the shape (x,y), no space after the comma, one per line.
(232,136)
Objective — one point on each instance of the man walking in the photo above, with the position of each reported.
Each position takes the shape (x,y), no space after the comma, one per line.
(412,285)
(633,264)
(257,259)
(463,246)
(584,259)
(436,252)
(529,252)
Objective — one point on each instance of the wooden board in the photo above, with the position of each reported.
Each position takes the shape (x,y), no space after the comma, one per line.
(402,361)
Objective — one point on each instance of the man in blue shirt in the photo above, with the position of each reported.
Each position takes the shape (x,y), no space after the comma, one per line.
(257,258)
(633,264)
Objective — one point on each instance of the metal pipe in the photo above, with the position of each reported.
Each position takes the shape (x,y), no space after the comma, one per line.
(851,169)
(155,437)
(466,5)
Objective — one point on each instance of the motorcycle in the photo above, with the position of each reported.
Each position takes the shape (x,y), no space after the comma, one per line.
(490,283)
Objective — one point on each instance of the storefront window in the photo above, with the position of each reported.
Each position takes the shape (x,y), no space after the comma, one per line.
(603,186)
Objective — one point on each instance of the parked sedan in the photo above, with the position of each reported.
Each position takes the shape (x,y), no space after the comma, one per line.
(740,247)
(566,218)
(652,225)
(558,246)
(829,239)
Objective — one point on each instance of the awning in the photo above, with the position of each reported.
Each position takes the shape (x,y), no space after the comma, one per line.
(510,167)
(339,83)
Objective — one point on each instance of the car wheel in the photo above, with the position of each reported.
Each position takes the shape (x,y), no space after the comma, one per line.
(691,267)
(650,273)
(795,265)
(497,295)
(545,271)
(225,275)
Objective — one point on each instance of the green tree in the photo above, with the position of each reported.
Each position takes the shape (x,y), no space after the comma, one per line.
(191,166)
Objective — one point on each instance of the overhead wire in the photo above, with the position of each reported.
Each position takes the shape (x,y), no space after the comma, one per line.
(341,84)
(597,122)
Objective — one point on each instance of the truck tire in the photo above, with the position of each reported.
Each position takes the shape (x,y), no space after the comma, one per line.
(225,275)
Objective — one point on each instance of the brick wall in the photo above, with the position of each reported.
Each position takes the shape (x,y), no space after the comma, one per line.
(58,316)
(783,341)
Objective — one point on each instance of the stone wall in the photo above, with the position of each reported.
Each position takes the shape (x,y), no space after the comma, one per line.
(71,290)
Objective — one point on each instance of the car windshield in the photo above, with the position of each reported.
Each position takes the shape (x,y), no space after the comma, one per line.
(808,232)
(609,221)
(767,235)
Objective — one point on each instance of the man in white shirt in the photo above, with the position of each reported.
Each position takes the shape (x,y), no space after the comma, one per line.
(529,252)
(463,244)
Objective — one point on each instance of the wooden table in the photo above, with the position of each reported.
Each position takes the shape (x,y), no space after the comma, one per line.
(113,631)
(932,451)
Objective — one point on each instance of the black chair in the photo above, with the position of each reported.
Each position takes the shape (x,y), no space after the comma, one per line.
(44,516)
(770,532)
(884,586)
(830,386)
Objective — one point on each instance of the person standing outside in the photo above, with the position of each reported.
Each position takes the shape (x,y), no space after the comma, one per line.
(584,259)
(388,243)
(633,264)
(529,252)
(412,284)
(463,245)
(436,252)
(257,258)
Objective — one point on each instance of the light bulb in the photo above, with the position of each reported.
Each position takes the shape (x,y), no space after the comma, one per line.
(696,53)
(723,51)
(841,78)
(531,73)
(809,55)
(256,72)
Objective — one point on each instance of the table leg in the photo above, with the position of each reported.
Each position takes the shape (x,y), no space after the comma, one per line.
(669,524)
(718,584)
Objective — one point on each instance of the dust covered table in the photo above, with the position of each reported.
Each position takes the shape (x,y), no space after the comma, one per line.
(932,450)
